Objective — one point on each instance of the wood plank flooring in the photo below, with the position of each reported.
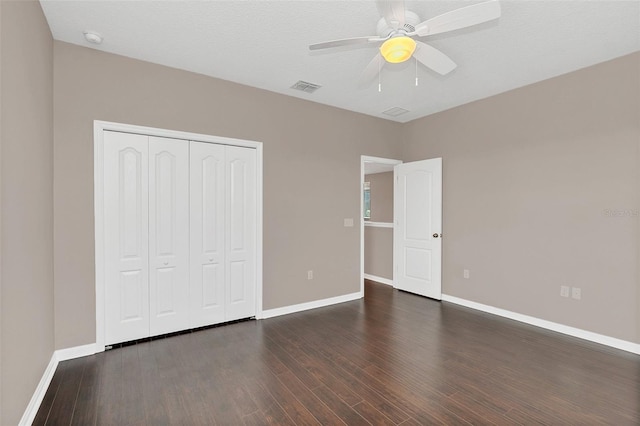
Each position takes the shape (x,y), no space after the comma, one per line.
(390,359)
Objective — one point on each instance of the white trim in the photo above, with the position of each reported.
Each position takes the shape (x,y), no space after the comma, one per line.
(553,326)
(34,404)
(173,134)
(56,358)
(98,211)
(98,175)
(270,313)
(378,279)
(259,224)
(368,159)
(75,352)
(379,224)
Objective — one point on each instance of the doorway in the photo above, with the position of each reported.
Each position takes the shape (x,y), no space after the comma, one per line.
(376,219)
(401,224)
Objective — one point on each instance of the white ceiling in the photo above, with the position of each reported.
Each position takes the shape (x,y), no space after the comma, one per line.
(265,44)
(371,167)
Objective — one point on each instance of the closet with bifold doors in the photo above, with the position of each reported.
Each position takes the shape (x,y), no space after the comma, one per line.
(180,230)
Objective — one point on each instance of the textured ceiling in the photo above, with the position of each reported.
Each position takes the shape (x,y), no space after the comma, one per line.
(371,168)
(265,44)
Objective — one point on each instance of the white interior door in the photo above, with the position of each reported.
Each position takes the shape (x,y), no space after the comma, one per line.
(240,238)
(418,227)
(126,237)
(168,235)
(207,234)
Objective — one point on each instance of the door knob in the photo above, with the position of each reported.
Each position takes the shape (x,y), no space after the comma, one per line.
(437,235)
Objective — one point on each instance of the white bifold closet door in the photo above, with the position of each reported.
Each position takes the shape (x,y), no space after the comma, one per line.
(223,233)
(168,235)
(147,236)
(126,223)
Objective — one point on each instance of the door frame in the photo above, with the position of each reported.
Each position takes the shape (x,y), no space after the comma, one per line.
(99,127)
(368,159)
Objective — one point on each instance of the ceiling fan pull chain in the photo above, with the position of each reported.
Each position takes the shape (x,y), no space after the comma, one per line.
(416,73)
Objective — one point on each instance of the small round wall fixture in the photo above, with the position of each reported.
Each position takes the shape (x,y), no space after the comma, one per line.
(93,37)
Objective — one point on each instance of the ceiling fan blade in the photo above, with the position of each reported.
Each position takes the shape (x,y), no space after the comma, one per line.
(460,18)
(345,42)
(371,70)
(433,58)
(393,12)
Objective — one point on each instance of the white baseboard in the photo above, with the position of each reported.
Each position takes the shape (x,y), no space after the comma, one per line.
(32,409)
(553,326)
(75,352)
(270,313)
(57,357)
(378,279)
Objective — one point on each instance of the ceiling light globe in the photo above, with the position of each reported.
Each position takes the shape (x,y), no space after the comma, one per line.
(398,49)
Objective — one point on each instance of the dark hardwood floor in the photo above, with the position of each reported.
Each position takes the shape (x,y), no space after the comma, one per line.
(392,358)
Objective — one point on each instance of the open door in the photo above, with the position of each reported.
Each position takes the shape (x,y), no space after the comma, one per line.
(417,238)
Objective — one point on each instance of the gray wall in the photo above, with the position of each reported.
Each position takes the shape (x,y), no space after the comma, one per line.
(378,242)
(303,216)
(527,178)
(378,252)
(381,185)
(531,177)
(26,174)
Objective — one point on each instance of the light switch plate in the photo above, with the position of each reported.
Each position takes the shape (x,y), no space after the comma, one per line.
(348,222)
(576,293)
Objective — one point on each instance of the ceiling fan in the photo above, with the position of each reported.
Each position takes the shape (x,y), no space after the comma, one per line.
(398,28)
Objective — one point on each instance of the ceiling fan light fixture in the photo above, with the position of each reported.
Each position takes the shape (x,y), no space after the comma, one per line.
(398,49)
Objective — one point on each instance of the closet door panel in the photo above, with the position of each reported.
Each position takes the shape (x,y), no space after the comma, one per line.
(168,235)
(126,235)
(240,232)
(212,287)
(207,193)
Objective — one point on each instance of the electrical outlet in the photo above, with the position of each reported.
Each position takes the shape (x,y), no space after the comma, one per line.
(309,275)
(576,293)
(465,273)
(564,290)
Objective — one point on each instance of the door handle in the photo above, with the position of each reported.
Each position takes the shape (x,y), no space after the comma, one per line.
(437,235)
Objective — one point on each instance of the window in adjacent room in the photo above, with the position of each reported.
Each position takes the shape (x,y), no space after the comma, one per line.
(367,200)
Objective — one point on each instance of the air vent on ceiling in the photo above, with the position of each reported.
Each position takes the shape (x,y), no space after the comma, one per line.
(395,111)
(305,86)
